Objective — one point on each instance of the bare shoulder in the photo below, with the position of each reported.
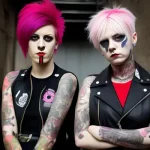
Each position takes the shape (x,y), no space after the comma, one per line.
(69,76)
(12,75)
(85,90)
(68,79)
(9,79)
(88,81)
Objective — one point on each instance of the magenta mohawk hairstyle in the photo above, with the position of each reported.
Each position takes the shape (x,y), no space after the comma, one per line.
(35,15)
(118,17)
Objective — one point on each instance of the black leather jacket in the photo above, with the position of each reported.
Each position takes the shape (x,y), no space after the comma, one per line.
(106,110)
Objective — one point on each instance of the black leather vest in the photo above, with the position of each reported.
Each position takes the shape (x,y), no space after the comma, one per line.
(106,110)
(22,91)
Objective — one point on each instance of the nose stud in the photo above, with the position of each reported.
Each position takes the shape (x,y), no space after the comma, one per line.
(41,48)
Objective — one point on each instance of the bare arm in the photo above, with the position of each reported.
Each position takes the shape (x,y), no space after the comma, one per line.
(58,111)
(9,125)
(83,138)
(136,139)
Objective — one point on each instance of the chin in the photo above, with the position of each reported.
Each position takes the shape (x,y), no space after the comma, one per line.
(117,62)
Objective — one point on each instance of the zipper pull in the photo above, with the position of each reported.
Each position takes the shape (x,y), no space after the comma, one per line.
(119,125)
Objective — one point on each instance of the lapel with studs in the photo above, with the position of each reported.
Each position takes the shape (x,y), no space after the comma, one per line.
(140,87)
(105,91)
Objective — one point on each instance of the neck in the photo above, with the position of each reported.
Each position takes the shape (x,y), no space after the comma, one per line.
(124,71)
(42,70)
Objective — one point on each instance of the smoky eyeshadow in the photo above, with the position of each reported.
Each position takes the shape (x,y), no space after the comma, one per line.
(105,43)
(34,37)
(118,37)
(48,38)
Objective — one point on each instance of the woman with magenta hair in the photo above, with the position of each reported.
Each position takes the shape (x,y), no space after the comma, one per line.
(113,107)
(38,103)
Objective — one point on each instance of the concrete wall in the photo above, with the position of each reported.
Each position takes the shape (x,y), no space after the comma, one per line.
(7,39)
(2,41)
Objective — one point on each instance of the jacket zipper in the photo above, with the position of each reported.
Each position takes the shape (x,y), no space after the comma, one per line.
(27,105)
(119,122)
(98,112)
(40,106)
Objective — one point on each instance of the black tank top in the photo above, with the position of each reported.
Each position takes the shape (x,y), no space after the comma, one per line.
(32,123)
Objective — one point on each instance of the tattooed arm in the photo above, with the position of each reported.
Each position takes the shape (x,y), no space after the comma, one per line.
(9,125)
(58,111)
(136,139)
(83,138)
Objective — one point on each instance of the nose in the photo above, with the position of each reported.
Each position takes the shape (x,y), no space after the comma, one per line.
(111,50)
(41,44)
(41,48)
(111,47)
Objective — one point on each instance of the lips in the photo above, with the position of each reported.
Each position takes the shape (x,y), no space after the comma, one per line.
(40,54)
(114,55)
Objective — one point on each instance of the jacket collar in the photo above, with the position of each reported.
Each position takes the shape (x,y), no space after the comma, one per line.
(104,78)
(105,91)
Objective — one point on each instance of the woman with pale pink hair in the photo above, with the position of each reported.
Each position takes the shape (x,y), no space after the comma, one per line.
(38,103)
(113,108)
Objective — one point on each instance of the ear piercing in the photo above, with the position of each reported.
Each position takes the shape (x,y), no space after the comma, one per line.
(134,44)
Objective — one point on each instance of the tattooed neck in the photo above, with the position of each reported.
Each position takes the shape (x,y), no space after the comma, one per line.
(125,71)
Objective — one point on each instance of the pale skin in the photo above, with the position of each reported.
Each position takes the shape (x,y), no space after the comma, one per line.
(58,111)
(83,137)
(123,68)
(9,125)
(45,36)
(98,137)
(66,88)
(136,139)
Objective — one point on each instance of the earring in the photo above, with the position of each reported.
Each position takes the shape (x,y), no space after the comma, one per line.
(134,44)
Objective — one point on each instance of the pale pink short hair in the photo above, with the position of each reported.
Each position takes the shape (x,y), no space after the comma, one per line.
(120,19)
(36,15)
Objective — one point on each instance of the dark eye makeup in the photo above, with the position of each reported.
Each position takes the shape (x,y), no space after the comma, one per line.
(118,37)
(34,37)
(104,43)
(48,38)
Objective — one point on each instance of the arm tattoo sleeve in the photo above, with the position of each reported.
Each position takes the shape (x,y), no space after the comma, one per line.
(9,125)
(60,107)
(11,143)
(82,108)
(8,115)
(126,138)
